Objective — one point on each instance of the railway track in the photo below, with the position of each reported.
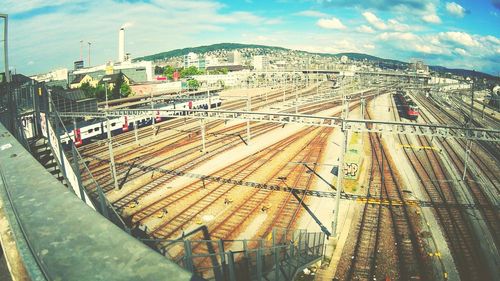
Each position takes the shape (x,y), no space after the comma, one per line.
(153,186)
(192,163)
(216,191)
(372,258)
(288,211)
(133,214)
(144,132)
(365,253)
(239,216)
(460,237)
(165,126)
(181,160)
(477,186)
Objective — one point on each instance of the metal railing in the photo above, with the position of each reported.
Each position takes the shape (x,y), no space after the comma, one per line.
(279,256)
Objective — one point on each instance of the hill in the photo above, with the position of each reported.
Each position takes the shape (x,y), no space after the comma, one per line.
(204,49)
(382,62)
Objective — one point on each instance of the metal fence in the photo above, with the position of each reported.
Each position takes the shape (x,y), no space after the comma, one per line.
(22,105)
(84,184)
(277,257)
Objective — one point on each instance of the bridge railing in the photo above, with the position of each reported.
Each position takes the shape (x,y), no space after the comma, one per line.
(279,256)
(60,238)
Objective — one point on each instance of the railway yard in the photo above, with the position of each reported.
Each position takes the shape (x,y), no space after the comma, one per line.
(412,208)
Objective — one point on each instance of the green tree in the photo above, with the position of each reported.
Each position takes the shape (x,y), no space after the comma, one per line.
(115,92)
(193,84)
(99,92)
(168,71)
(190,71)
(125,90)
(159,70)
(88,90)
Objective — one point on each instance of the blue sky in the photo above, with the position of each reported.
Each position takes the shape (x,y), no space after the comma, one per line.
(461,34)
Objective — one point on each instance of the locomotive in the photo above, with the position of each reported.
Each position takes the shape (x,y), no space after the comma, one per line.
(86,131)
(406,106)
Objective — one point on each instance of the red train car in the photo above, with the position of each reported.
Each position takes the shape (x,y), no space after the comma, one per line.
(406,106)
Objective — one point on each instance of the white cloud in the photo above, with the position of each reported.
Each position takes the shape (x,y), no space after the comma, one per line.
(380,24)
(265,39)
(491,39)
(432,18)
(374,20)
(18,6)
(312,13)
(457,37)
(398,36)
(423,48)
(429,14)
(52,40)
(365,29)
(461,51)
(401,6)
(369,46)
(273,21)
(455,9)
(397,26)
(331,23)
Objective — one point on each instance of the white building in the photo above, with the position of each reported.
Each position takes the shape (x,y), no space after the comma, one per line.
(54,75)
(234,58)
(195,60)
(212,61)
(190,59)
(232,79)
(260,63)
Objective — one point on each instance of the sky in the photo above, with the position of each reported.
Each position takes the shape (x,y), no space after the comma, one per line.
(46,35)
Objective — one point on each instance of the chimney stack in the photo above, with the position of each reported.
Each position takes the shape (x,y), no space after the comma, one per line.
(121,45)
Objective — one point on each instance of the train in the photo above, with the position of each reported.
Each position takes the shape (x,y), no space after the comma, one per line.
(86,131)
(406,106)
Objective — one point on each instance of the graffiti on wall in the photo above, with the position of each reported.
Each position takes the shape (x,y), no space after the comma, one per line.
(351,170)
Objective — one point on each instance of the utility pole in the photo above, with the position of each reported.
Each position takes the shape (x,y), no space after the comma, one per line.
(89,53)
(202,125)
(152,111)
(340,173)
(81,50)
(136,127)
(317,80)
(249,108)
(6,46)
(296,96)
(468,145)
(105,80)
(284,88)
(209,100)
(111,156)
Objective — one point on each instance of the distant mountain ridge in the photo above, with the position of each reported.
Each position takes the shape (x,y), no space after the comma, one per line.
(387,63)
(207,48)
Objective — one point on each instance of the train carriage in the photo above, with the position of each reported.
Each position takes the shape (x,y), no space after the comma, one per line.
(406,106)
(86,131)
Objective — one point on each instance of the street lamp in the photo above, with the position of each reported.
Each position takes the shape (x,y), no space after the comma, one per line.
(106,80)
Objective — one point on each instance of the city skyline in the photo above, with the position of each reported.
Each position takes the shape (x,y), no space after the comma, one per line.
(455,34)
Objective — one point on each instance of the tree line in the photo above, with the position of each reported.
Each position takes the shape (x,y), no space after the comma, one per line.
(168,71)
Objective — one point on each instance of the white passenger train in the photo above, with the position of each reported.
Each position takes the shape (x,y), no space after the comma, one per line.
(86,131)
